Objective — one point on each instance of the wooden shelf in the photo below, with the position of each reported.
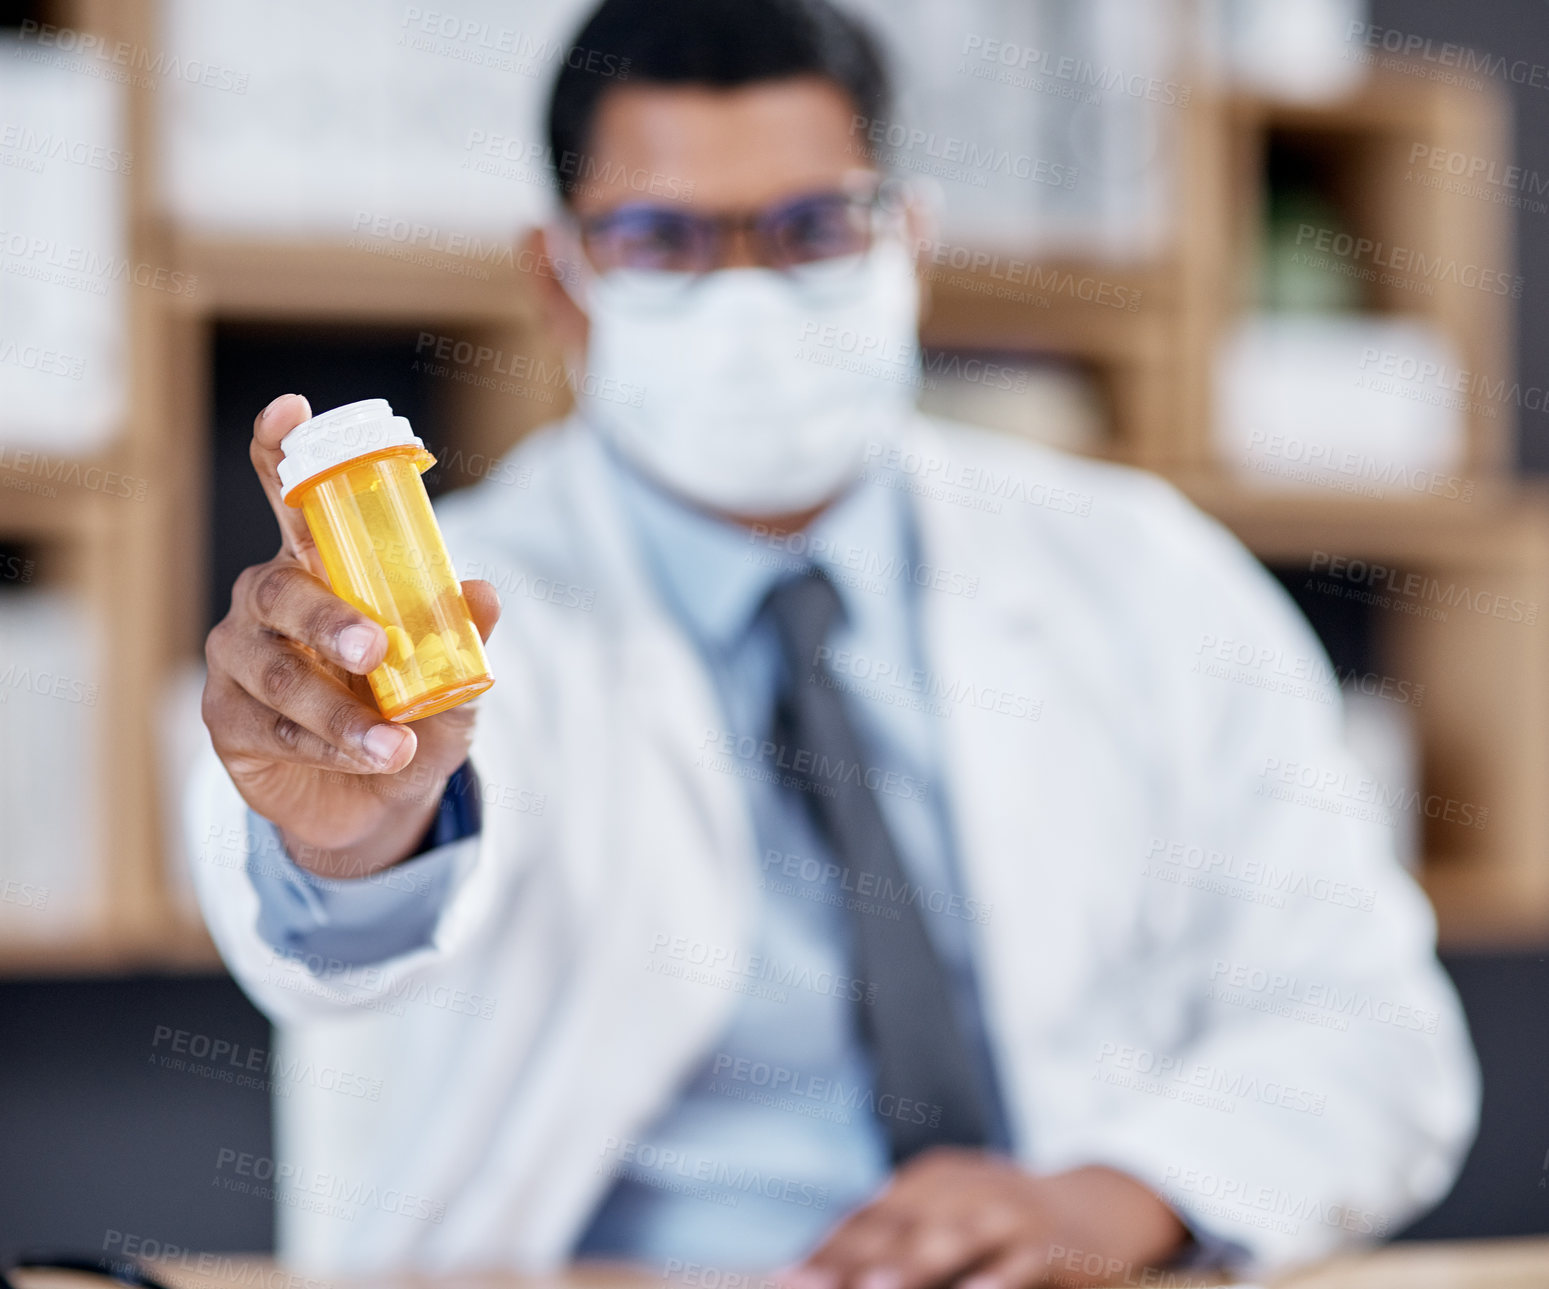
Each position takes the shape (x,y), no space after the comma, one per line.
(69,516)
(1119,324)
(1499,523)
(338,282)
(1062,307)
(179,945)
(1391,101)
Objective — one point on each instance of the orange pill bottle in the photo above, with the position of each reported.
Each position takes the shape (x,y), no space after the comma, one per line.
(354,472)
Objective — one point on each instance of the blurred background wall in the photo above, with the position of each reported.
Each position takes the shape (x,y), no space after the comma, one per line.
(1293,254)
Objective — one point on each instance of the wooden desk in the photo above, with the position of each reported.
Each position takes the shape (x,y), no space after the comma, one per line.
(1485,1264)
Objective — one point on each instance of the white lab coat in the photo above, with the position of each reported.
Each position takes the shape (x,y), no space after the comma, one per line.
(541,1030)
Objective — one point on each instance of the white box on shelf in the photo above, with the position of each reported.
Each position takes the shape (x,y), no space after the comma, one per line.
(1303,50)
(50,780)
(65,274)
(336,116)
(1361,405)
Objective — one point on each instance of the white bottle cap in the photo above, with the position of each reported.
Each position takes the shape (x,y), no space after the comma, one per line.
(342,434)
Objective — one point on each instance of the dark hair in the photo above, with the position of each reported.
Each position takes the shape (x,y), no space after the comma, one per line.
(719,43)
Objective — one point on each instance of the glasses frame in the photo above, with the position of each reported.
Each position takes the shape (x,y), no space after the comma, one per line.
(881,197)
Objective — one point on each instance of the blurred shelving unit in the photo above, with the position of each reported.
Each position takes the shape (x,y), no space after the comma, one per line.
(135,563)
(1149,337)
(1147,334)
(108,547)
(1486,685)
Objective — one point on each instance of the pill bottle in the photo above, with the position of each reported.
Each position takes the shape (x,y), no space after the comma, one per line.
(354,472)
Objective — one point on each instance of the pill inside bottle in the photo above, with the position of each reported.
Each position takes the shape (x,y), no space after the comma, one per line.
(355,474)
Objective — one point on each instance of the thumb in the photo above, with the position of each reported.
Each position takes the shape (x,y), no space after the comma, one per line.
(271,425)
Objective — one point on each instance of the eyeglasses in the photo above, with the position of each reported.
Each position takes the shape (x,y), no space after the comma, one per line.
(813,228)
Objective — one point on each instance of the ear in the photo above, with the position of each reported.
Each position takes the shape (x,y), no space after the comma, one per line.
(555,258)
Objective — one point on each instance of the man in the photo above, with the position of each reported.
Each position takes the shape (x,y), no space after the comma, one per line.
(817,887)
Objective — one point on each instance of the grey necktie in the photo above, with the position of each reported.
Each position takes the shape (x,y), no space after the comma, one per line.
(924,1063)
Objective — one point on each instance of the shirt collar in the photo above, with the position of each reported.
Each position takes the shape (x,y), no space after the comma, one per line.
(714,574)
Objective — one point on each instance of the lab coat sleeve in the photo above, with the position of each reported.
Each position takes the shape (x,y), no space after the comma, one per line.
(1322,1088)
(300,980)
(353,922)
(359,921)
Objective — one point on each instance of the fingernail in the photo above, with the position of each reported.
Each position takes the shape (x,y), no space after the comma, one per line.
(354,643)
(384,741)
(264,415)
(807,1278)
(881,1278)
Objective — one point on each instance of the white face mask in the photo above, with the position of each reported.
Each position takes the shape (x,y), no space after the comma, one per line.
(752,391)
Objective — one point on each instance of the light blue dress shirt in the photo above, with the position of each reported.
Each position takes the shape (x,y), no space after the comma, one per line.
(777,1135)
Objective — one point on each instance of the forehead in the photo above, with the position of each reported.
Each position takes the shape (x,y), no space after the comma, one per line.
(731,149)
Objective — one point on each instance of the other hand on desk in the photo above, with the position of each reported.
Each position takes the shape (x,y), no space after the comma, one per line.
(976,1220)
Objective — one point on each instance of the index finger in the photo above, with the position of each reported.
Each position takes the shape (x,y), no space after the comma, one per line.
(271,425)
(861,1241)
